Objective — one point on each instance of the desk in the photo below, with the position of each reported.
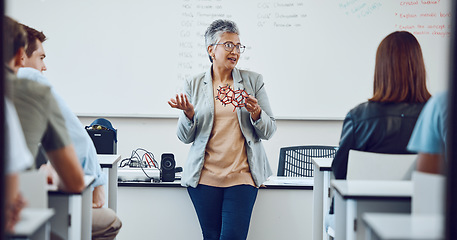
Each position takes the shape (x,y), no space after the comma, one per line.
(354,197)
(73,219)
(109,164)
(33,225)
(321,195)
(390,226)
(164,211)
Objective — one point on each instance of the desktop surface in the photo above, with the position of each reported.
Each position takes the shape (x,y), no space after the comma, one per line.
(373,189)
(405,226)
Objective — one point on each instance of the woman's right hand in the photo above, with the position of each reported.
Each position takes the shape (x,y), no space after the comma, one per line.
(182,102)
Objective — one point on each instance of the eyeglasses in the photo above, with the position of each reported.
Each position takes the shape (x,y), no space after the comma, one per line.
(229,46)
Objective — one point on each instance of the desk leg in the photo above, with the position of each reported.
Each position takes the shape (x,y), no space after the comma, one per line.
(75,207)
(47,231)
(106,186)
(325,201)
(369,235)
(111,187)
(351,216)
(340,217)
(43,233)
(86,214)
(318,192)
(112,192)
(60,222)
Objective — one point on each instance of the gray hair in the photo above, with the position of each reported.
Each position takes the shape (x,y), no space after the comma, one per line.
(216,29)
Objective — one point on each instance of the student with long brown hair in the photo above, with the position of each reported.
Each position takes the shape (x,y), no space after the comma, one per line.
(385,122)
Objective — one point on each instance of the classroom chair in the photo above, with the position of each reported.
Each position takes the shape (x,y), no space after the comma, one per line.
(380,166)
(296,161)
(32,185)
(428,194)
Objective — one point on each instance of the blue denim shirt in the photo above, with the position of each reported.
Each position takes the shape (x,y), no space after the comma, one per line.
(430,132)
(197,131)
(84,147)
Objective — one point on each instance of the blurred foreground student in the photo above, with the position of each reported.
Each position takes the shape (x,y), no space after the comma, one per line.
(429,135)
(18,159)
(227,162)
(105,223)
(39,114)
(385,122)
(17,155)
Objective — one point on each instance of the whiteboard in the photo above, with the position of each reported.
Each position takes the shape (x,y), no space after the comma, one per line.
(127,58)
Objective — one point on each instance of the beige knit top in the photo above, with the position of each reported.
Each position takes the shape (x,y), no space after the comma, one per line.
(225,156)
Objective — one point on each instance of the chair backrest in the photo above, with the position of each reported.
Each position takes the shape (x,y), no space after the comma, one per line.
(428,194)
(380,166)
(32,185)
(296,161)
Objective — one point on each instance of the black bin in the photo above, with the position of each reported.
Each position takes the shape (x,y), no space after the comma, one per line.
(103,135)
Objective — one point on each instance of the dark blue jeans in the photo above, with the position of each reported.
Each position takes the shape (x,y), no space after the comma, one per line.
(224,213)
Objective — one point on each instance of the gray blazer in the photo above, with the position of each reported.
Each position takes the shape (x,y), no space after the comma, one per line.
(199,89)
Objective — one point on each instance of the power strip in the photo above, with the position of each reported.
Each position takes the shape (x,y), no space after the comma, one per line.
(136,174)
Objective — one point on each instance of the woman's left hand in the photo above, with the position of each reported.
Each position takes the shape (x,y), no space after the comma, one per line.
(253,107)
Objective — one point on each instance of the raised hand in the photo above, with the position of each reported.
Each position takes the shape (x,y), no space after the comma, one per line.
(182,102)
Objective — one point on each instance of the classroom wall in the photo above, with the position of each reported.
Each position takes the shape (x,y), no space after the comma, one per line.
(158,135)
(129,58)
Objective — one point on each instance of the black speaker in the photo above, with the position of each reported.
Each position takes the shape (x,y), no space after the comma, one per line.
(167,167)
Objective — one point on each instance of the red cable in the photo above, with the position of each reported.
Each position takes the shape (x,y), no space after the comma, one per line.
(147,161)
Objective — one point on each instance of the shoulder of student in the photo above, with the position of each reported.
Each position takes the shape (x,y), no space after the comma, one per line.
(30,88)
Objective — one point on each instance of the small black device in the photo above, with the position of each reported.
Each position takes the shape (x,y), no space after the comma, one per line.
(167,167)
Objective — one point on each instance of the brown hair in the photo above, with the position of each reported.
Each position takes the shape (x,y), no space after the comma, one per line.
(14,38)
(32,35)
(399,74)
